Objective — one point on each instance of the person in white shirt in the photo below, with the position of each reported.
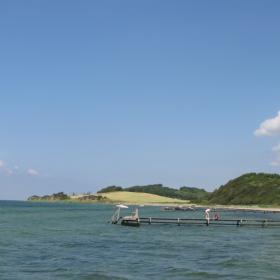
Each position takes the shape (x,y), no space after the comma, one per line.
(207,216)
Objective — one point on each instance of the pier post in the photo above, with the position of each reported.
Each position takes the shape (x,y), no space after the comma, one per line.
(239,222)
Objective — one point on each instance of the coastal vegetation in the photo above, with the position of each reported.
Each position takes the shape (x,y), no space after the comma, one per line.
(55,196)
(110,189)
(195,195)
(248,189)
(61,196)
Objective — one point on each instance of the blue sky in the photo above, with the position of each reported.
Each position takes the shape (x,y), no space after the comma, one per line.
(95,93)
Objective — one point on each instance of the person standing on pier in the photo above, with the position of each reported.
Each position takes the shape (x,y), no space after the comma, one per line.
(207,216)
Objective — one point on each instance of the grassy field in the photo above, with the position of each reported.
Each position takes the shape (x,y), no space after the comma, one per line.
(140,198)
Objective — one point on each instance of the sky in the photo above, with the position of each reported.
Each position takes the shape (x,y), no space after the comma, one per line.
(99,93)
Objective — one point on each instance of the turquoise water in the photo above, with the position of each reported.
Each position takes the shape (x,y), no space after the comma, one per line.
(74,241)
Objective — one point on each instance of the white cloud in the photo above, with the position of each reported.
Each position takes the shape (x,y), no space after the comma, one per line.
(14,170)
(32,172)
(275,163)
(269,127)
(8,171)
(276,149)
(4,169)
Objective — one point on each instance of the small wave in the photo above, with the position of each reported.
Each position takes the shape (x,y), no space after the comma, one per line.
(101,276)
(190,274)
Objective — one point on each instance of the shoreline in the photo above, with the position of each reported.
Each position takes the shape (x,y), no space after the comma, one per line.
(217,207)
(267,208)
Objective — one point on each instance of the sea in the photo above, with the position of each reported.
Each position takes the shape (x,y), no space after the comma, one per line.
(49,241)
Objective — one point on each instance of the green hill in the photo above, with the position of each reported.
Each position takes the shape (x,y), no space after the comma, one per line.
(140,198)
(184,193)
(248,189)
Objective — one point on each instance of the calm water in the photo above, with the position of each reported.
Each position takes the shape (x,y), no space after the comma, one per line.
(73,241)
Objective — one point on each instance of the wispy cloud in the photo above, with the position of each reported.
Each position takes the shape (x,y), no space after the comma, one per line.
(32,172)
(276,151)
(9,171)
(269,127)
(5,169)
(14,170)
(275,163)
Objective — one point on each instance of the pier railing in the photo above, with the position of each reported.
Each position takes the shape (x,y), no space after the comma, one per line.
(221,222)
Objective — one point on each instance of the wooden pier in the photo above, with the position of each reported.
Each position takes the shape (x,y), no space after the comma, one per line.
(201,222)
(135,220)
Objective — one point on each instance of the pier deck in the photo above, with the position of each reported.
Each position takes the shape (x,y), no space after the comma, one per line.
(212,222)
